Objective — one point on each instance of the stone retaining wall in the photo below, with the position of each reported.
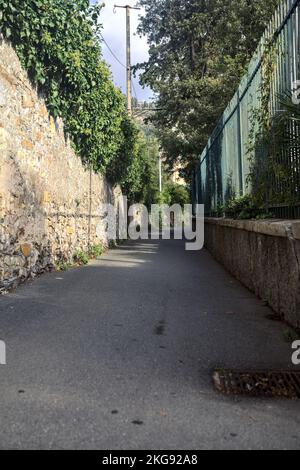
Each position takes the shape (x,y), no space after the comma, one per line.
(49,203)
(264,256)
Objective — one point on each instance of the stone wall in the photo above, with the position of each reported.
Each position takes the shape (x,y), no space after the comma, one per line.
(49,203)
(264,256)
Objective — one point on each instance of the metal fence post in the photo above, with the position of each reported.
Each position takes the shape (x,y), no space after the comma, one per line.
(239,144)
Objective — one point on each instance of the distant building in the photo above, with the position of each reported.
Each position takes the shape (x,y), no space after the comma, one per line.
(175,175)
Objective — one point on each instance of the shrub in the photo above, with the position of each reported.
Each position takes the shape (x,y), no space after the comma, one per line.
(63,266)
(96,251)
(80,257)
(244,207)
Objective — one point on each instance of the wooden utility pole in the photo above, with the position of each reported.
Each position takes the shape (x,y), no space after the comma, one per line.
(128,56)
(160,172)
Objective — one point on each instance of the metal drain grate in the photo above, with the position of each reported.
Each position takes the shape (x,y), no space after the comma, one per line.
(277,383)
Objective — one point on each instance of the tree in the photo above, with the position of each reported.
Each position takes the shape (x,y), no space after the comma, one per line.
(198,50)
(175,193)
(135,167)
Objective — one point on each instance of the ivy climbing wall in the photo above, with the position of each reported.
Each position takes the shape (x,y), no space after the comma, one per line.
(49,202)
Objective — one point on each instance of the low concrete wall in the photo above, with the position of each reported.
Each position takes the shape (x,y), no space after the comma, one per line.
(264,256)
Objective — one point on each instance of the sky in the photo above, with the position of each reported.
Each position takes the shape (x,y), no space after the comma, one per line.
(114,33)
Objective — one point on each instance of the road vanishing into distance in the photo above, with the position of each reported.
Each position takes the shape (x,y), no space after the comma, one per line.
(120,354)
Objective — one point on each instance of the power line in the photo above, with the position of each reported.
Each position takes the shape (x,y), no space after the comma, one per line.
(117,59)
(112,52)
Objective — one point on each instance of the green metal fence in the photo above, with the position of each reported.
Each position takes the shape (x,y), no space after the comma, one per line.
(224,165)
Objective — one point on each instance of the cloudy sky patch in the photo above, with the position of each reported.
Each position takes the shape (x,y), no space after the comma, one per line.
(114,33)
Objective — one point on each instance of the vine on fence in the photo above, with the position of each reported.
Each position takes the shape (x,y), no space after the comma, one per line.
(271,134)
(260,130)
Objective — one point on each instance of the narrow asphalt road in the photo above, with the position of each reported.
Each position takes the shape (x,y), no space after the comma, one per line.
(119,355)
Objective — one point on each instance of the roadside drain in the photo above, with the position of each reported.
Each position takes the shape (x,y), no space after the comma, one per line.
(270,384)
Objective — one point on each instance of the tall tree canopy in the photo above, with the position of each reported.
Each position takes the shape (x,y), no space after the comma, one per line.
(199,50)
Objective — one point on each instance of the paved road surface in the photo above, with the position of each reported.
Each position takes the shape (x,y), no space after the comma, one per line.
(119,355)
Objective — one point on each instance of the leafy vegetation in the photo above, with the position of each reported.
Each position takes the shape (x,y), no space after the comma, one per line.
(63,266)
(132,167)
(81,257)
(199,50)
(56,41)
(174,193)
(59,44)
(243,208)
(272,155)
(274,144)
(96,251)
